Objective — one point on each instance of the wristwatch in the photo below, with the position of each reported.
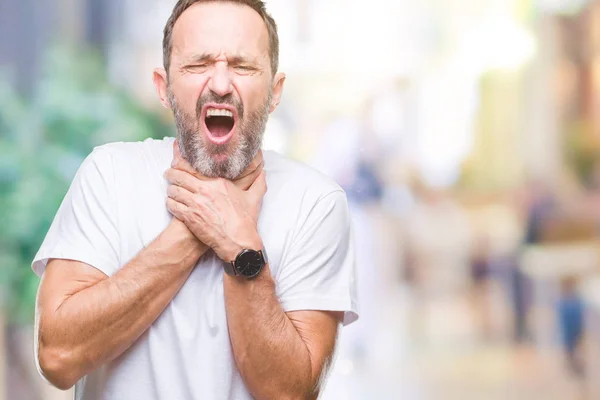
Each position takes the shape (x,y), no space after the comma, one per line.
(247,264)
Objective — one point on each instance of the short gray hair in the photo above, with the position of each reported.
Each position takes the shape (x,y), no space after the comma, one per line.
(257,5)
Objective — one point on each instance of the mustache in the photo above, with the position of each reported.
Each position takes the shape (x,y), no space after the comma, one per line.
(228,99)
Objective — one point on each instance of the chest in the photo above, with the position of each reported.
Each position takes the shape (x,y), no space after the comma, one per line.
(143,216)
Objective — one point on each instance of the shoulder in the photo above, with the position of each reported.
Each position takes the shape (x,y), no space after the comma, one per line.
(131,152)
(303,196)
(298,179)
(118,157)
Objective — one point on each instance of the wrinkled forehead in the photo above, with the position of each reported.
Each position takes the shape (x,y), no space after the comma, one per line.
(220,28)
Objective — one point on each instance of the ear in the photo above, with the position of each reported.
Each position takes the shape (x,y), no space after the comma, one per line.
(159,77)
(278,82)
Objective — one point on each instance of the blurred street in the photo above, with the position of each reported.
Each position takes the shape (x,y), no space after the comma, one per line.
(449,345)
(445,356)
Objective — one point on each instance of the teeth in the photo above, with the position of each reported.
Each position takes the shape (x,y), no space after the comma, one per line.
(218,112)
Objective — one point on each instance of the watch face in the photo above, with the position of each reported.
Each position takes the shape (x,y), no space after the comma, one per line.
(249,263)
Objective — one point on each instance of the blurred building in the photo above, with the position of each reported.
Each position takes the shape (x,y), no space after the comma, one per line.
(34,26)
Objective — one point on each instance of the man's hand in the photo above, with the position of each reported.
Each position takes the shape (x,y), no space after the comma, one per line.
(221,215)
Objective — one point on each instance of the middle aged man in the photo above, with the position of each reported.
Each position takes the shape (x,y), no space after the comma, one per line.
(156,282)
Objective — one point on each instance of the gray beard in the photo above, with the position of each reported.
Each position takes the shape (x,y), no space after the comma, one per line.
(241,149)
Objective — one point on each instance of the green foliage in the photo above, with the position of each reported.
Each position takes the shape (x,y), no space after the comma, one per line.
(42,143)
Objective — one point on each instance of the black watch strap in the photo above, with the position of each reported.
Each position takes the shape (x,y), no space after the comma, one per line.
(229,268)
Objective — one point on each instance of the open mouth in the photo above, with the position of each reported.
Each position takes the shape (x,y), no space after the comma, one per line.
(220,122)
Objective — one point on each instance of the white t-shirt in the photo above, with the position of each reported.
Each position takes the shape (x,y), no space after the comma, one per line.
(116,206)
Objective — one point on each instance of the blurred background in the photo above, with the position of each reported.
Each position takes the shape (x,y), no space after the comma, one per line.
(466,134)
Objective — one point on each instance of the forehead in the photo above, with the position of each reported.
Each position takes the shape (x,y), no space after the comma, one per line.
(216,27)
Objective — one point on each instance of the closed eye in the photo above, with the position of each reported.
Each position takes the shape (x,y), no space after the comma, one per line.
(244,68)
(197,67)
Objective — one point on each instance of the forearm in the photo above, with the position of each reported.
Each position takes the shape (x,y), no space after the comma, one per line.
(269,352)
(98,323)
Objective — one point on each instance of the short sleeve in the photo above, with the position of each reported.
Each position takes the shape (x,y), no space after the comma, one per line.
(85,226)
(318,271)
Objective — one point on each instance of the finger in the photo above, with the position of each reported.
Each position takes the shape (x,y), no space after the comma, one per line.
(252,171)
(258,161)
(183,179)
(255,166)
(259,187)
(177,157)
(183,165)
(178,210)
(180,195)
(176,152)
(245,180)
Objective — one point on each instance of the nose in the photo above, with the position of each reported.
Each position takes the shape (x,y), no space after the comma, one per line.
(220,80)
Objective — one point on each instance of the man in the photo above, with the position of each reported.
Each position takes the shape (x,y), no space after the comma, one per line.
(156,281)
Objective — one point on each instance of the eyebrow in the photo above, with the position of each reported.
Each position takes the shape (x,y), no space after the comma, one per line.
(208,57)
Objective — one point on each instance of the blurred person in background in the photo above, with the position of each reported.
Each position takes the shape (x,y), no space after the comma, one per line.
(481,262)
(439,239)
(348,151)
(155,277)
(364,193)
(593,210)
(539,207)
(571,322)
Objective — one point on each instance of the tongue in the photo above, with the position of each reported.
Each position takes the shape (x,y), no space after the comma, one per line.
(219,126)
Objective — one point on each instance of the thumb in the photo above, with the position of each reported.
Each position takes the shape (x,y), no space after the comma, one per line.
(176,152)
(181,163)
(259,187)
